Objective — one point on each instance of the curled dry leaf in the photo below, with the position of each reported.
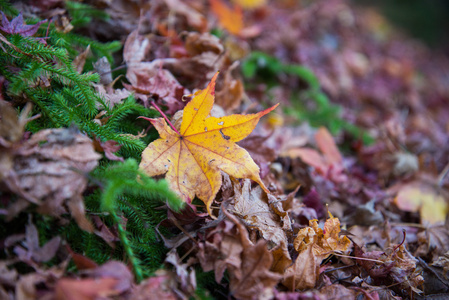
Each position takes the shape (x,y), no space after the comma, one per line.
(11,131)
(194,156)
(314,245)
(193,17)
(49,171)
(185,275)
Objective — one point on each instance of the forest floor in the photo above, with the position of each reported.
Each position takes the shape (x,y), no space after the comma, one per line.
(348,197)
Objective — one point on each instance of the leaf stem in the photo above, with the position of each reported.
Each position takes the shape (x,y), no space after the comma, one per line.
(165,117)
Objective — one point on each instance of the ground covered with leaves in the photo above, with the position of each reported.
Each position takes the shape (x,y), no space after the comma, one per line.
(131,166)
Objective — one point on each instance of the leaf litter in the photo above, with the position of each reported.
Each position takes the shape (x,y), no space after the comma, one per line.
(269,238)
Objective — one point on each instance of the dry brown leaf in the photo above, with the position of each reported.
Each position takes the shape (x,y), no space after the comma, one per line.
(49,171)
(328,163)
(248,264)
(251,206)
(303,274)
(229,91)
(193,17)
(206,58)
(314,245)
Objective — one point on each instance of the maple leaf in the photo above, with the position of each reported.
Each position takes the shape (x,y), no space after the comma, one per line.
(17,26)
(230,19)
(193,156)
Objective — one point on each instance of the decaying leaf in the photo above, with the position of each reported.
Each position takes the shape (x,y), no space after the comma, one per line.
(194,156)
(11,132)
(248,264)
(49,171)
(314,245)
(253,209)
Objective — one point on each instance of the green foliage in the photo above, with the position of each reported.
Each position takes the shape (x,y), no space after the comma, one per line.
(310,104)
(119,194)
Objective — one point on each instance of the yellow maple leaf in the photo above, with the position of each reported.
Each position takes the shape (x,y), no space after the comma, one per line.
(193,156)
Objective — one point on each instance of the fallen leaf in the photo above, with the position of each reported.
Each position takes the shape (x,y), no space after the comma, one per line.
(85,289)
(32,249)
(314,245)
(158,287)
(425,198)
(328,163)
(80,60)
(207,57)
(230,19)
(18,26)
(185,277)
(108,147)
(49,171)
(303,274)
(193,17)
(229,92)
(251,206)
(194,156)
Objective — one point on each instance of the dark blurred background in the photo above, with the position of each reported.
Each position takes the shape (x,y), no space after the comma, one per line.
(427,20)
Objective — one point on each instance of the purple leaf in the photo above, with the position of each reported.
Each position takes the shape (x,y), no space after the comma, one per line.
(17,26)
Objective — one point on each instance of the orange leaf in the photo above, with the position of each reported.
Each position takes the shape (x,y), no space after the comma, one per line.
(230,19)
(204,145)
